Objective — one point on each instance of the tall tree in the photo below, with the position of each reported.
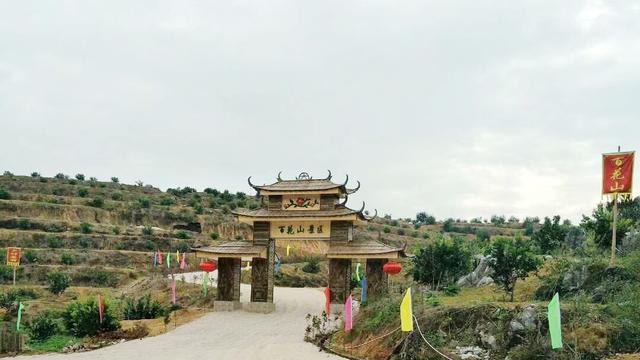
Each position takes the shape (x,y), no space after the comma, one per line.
(511,260)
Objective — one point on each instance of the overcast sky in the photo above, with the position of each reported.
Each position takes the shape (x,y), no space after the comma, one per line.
(460,108)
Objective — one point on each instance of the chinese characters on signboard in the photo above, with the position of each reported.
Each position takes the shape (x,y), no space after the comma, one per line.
(301,202)
(13,256)
(617,173)
(301,229)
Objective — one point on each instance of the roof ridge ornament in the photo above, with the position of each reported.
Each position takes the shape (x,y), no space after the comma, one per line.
(375,215)
(351,191)
(346,180)
(279,178)
(304,176)
(328,176)
(250,184)
(344,203)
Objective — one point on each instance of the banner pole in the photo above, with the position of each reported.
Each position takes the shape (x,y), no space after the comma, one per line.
(613,235)
(14,275)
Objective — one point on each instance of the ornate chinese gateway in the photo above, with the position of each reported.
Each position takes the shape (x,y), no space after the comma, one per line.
(306,214)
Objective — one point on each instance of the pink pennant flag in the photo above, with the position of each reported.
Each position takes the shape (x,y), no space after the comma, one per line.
(100,308)
(173,292)
(183,262)
(348,317)
(159,257)
(327,300)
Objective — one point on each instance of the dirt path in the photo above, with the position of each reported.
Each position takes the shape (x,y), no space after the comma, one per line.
(232,335)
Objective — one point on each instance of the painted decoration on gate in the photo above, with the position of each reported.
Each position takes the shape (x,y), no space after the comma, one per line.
(617,173)
(301,202)
(300,229)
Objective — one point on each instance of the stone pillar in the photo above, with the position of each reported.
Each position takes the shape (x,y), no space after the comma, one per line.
(339,280)
(262,280)
(377,280)
(228,297)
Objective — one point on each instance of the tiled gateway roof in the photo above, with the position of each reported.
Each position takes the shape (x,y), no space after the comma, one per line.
(295,213)
(235,248)
(363,248)
(305,183)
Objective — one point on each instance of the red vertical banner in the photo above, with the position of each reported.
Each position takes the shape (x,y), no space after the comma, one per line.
(100,308)
(617,173)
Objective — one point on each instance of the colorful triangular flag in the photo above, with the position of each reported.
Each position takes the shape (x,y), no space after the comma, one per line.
(406,312)
(555,323)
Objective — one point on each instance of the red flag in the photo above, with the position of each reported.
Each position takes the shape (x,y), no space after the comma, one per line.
(100,308)
(327,301)
(348,316)
(617,173)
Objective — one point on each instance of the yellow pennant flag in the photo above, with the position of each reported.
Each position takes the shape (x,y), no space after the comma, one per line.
(406,312)
(288,248)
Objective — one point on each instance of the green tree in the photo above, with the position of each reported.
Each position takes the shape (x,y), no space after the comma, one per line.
(498,219)
(115,180)
(550,236)
(4,194)
(483,235)
(424,218)
(447,225)
(511,260)
(441,263)
(82,192)
(58,282)
(599,225)
(80,177)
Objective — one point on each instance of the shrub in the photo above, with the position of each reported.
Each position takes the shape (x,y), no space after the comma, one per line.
(144,202)
(115,230)
(24,224)
(415,234)
(58,191)
(11,298)
(211,191)
(447,225)
(83,319)
(483,235)
(73,182)
(147,230)
(53,242)
(386,229)
(401,232)
(167,201)
(86,242)
(61,176)
(115,180)
(181,234)
(451,290)
(312,266)
(43,326)
(117,196)
(58,282)
(425,235)
(97,202)
(7,173)
(4,194)
(86,228)
(142,308)
(82,192)
(214,236)
(511,260)
(31,256)
(35,174)
(68,259)
(80,177)
(441,263)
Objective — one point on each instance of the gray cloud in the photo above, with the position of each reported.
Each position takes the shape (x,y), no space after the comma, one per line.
(462,108)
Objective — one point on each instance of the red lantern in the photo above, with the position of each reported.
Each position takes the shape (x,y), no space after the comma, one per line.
(392,268)
(208,266)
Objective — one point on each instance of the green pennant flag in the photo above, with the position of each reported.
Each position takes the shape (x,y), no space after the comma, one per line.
(555,327)
(20,308)
(205,283)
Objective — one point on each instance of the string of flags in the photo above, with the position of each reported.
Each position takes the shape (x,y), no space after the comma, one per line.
(158,258)
(407,317)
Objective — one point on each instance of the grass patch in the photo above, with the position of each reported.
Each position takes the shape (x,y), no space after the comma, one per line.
(53,344)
